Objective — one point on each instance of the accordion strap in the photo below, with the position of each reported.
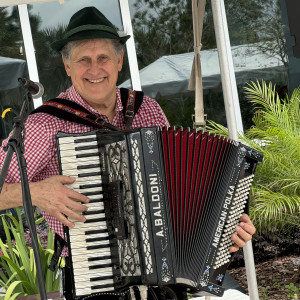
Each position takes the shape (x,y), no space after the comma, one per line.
(59,244)
(71,111)
(131,101)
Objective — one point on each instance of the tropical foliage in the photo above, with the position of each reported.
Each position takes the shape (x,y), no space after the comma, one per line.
(275,198)
(18,274)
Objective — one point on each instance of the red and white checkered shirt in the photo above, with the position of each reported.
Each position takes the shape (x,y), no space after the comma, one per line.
(40,141)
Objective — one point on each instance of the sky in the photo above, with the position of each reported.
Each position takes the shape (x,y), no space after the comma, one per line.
(54,13)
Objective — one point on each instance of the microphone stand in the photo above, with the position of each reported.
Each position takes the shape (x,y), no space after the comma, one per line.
(16,145)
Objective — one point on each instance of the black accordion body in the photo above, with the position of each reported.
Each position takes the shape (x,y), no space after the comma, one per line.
(163,205)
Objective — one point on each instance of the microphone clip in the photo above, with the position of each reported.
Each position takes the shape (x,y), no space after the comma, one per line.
(35,89)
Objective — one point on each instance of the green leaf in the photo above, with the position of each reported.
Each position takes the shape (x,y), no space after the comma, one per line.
(20,225)
(24,257)
(15,268)
(5,256)
(10,290)
(39,221)
(8,239)
(17,295)
(3,277)
(50,241)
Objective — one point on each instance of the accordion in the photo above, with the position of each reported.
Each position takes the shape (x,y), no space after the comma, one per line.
(164,203)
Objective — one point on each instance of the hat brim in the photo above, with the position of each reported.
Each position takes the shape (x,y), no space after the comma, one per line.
(87,35)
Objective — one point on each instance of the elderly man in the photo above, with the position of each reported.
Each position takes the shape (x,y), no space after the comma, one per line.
(92,53)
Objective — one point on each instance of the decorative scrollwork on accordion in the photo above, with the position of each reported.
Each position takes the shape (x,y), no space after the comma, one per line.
(118,170)
(141,204)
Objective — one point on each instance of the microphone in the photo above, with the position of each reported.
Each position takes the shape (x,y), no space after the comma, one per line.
(34,88)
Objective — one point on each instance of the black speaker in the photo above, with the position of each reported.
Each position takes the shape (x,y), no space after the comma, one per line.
(293,14)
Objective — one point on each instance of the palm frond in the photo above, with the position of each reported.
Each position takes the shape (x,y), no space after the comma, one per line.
(273,208)
(271,111)
(216,128)
(275,195)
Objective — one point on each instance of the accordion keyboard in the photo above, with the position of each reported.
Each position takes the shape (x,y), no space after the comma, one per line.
(89,241)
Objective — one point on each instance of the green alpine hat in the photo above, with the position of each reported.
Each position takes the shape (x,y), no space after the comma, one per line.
(88,23)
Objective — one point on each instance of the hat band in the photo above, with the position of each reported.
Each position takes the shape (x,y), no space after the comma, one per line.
(91,27)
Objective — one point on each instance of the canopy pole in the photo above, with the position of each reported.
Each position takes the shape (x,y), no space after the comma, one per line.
(29,49)
(233,114)
(130,45)
(229,86)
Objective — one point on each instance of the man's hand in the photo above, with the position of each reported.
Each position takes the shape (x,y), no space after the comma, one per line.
(52,196)
(243,234)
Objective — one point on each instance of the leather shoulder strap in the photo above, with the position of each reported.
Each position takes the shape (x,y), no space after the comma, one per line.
(71,111)
(131,101)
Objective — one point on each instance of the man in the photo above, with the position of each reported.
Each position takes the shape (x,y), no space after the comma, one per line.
(92,54)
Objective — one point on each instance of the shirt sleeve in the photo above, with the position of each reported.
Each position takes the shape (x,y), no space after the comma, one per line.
(39,148)
(150,114)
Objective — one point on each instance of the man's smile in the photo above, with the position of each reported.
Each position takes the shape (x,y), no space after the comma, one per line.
(95,80)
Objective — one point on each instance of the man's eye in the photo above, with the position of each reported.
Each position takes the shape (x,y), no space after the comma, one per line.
(84,60)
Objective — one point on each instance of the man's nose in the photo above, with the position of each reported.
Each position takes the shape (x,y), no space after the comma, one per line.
(94,68)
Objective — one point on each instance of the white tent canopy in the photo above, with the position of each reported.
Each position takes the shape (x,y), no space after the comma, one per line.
(171,74)
(13,69)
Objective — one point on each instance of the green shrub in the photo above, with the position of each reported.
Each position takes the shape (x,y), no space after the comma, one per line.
(275,195)
(18,274)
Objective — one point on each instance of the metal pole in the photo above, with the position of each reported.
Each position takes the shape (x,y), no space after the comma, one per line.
(233,114)
(232,105)
(131,53)
(29,48)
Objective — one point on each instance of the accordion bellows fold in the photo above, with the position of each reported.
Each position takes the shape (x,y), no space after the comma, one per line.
(163,205)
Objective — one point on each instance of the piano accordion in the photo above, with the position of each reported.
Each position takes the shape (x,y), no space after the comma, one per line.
(163,205)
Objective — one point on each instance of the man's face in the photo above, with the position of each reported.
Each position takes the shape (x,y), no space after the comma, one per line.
(93,68)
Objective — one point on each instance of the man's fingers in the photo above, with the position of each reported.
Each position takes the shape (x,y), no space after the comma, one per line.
(74,216)
(72,210)
(69,217)
(76,206)
(55,196)
(247,225)
(234,248)
(64,220)
(64,179)
(238,243)
(75,196)
(244,232)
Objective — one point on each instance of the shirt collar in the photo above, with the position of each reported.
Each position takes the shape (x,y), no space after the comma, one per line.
(73,95)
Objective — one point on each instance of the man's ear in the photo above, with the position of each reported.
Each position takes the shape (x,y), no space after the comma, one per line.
(120,61)
(67,66)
